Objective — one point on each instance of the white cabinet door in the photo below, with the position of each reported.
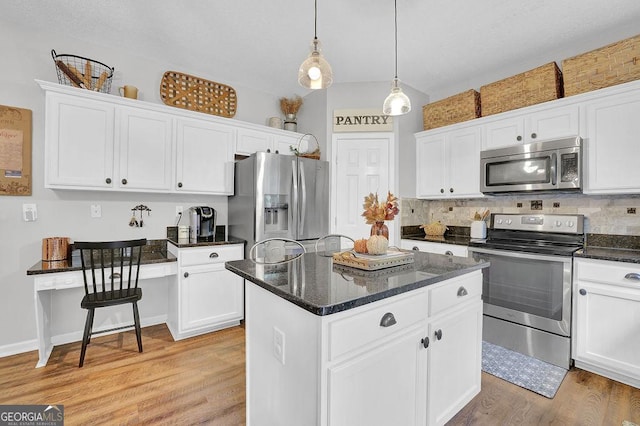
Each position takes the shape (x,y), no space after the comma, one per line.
(384,386)
(448,164)
(430,166)
(503,133)
(250,141)
(455,361)
(553,123)
(463,163)
(612,144)
(79,143)
(204,157)
(145,144)
(283,143)
(209,295)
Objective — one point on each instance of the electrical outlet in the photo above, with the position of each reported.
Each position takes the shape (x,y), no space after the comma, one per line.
(278,344)
(178,210)
(29,212)
(96,210)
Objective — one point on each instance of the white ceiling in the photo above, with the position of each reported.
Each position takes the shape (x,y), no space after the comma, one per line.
(445,46)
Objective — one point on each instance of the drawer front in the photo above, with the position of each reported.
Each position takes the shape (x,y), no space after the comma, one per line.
(59,281)
(602,271)
(438,248)
(455,292)
(210,255)
(363,326)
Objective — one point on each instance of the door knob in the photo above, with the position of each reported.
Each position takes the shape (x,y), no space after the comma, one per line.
(425,342)
(124,181)
(583,292)
(186,274)
(108,180)
(438,334)
(179,184)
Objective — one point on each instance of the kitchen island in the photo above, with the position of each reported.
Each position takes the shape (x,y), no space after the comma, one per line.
(332,344)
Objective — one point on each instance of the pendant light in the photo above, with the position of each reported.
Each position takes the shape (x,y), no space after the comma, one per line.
(315,72)
(397,103)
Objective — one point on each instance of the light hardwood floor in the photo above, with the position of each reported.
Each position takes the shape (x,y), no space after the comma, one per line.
(201,381)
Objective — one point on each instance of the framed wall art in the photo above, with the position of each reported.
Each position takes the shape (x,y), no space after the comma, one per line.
(15,151)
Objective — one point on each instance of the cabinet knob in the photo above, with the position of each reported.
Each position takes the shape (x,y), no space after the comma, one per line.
(277,152)
(213,255)
(583,292)
(387,320)
(124,181)
(451,190)
(442,190)
(438,334)
(415,248)
(534,135)
(108,180)
(179,184)
(268,149)
(462,292)
(632,276)
(448,253)
(186,275)
(425,342)
(518,138)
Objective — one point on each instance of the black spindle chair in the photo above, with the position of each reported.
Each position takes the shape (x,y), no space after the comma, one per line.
(110,270)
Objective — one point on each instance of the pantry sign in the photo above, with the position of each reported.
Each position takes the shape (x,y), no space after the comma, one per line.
(361,120)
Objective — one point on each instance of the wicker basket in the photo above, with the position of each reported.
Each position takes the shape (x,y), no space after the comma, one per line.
(434,228)
(82,72)
(454,109)
(315,154)
(532,87)
(610,65)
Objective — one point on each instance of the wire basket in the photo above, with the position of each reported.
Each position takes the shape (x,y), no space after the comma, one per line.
(315,154)
(82,72)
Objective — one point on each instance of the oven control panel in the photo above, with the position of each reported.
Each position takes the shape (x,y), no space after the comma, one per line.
(560,223)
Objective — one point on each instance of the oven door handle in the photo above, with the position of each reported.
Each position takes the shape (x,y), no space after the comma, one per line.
(522,255)
(554,169)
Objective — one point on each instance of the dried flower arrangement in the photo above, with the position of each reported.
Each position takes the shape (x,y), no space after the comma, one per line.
(290,105)
(374,211)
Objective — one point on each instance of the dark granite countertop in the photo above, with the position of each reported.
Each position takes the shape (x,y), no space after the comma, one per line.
(608,253)
(154,252)
(229,240)
(316,284)
(458,235)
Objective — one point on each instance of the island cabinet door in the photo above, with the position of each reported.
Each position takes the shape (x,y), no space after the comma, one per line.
(455,361)
(385,385)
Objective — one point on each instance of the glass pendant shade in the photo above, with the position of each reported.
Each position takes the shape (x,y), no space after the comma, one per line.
(315,72)
(397,103)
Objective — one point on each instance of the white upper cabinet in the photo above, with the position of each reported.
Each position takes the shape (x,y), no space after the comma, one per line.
(613,143)
(204,157)
(274,141)
(536,124)
(79,143)
(448,163)
(144,147)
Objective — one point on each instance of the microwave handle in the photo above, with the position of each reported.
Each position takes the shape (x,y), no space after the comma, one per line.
(554,169)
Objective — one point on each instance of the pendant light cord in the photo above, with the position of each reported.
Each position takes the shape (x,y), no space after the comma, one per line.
(315,21)
(395,10)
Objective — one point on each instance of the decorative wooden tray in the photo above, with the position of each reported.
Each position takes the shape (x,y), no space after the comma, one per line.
(197,94)
(370,262)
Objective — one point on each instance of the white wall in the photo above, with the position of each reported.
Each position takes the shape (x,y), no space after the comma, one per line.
(27,56)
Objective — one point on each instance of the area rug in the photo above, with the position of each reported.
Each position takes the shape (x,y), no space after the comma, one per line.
(524,371)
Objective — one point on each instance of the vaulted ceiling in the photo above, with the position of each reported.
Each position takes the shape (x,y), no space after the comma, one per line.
(445,46)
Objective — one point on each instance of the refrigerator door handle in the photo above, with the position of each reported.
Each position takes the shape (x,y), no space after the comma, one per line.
(303,209)
(295,203)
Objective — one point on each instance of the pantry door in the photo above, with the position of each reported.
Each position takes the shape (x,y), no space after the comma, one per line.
(362,164)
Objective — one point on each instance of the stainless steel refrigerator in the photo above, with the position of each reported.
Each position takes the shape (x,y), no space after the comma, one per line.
(280,196)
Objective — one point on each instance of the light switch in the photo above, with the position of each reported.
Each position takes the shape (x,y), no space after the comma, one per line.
(96,210)
(29,212)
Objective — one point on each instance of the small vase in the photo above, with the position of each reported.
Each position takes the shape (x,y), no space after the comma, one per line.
(379,228)
(290,123)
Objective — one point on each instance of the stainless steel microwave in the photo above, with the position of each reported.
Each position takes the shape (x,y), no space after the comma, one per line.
(554,165)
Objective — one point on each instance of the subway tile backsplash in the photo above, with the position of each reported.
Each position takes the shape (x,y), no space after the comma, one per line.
(612,214)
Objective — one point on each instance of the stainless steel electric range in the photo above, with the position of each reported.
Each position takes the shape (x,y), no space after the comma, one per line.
(527,288)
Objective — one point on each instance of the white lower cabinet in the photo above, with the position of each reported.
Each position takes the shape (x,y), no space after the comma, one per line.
(205,296)
(607,319)
(437,248)
(378,364)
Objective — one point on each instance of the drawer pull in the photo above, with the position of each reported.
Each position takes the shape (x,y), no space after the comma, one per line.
(448,253)
(462,292)
(632,276)
(415,248)
(387,320)
(438,334)
(213,255)
(114,276)
(583,292)
(425,342)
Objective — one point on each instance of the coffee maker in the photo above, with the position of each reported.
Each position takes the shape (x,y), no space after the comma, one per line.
(202,222)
